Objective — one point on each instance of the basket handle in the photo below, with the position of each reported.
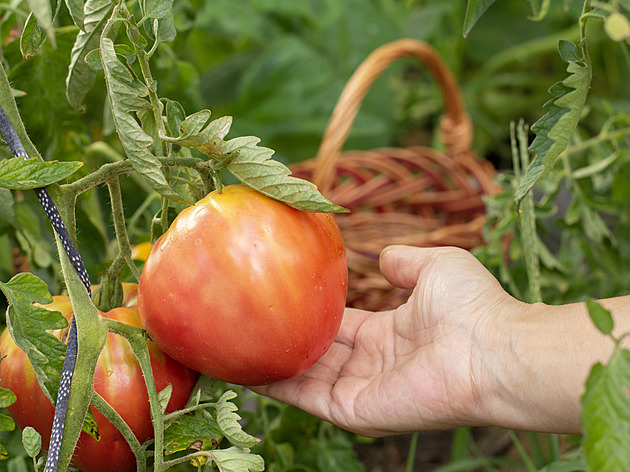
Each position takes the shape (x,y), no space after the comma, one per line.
(455,126)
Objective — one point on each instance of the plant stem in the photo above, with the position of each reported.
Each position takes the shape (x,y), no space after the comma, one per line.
(118,215)
(112,415)
(137,339)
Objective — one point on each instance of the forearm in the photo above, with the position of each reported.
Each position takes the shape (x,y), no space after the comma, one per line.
(548,354)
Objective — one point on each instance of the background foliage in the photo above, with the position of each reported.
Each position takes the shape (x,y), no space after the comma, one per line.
(278,68)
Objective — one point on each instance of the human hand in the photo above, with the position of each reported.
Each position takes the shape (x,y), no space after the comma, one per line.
(426,365)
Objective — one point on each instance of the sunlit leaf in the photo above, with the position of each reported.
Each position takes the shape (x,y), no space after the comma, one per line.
(126,99)
(227,419)
(236,459)
(18,173)
(250,163)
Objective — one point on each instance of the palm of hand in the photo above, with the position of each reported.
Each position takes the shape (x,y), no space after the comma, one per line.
(408,369)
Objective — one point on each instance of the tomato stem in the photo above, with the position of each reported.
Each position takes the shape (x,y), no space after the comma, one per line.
(112,415)
(137,339)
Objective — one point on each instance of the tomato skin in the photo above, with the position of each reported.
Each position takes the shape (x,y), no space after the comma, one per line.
(118,379)
(244,288)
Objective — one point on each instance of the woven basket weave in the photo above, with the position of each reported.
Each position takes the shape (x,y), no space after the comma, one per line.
(415,196)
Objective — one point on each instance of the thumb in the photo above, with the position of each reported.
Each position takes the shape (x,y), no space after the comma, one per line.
(402,265)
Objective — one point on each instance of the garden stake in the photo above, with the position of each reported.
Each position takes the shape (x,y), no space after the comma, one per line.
(61,407)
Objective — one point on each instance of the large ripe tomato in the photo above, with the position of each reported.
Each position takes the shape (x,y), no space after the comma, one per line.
(244,288)
(118,380)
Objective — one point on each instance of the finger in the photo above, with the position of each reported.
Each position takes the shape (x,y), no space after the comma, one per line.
(311,391)
(402,265)
(353,318)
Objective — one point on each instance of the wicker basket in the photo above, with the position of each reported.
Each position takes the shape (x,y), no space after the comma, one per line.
(416,196)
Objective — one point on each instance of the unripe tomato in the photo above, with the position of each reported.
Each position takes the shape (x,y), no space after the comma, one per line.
(244,288)
(118,379)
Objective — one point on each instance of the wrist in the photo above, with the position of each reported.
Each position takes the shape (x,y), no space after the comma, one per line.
(544,355)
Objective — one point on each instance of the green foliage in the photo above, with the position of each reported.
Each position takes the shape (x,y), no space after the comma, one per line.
(28,325)
(118,84)
(555,128)
(17,173)
(606,414)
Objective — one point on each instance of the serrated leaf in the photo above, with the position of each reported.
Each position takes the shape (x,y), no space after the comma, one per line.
(235,459)
(251,164)
(204,391)
(126,100)
(7,397)
(198,430)
(28,325)
(554,129)
(227,419)
(43,12)
(600,316)
(606,414)
(17,173)
(77,12)
(32,441)
(475,10)
(157,8)
(81,76)
(33,37)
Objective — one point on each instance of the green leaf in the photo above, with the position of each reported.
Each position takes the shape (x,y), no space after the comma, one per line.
(236,459)
(227,419)
(93,58)
(29,325)
(125,100)
(43,12)
(32,441)
(18,173)
(90,426)
(606,414)
(475,10)
(77,12)
(601,317)
(157,8)
(6,423)
(7,397)
(198,430)
(250,163)
(554,129)
(81,76)
(164,396)
(33,37)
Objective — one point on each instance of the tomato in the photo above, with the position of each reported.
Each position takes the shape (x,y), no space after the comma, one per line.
(244,288)
(118,379)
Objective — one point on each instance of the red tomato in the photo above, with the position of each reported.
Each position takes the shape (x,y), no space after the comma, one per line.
(118,379)
(244,288)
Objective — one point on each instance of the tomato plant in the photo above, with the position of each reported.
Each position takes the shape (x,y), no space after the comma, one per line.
(255,287)
(118,379)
